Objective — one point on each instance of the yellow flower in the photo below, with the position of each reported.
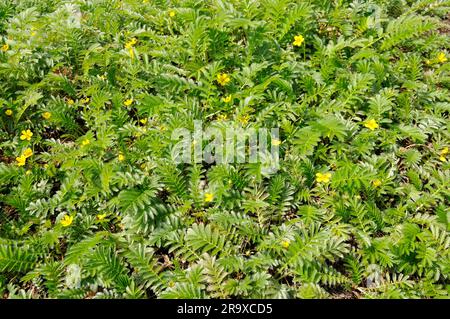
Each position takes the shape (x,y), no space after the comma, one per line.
(21,160)
(298,40)
(323,178)
(131,52)
(371,124)
(71,102)
(427,62)
(441,57)
(376,183)
(209,197)
(8,112)
(33,33)
(285,243)
(244,119)
(442,154)
(27,153)
(47,115)
(130,43)
(143,121)
(101,216)
(5,47)
(223,79)
(66,220)
(128,102)
(86,100)
(26,135)
(276,142)
(172,13)
(222,117)
(85,142)
(227,99)
(121,157)
(28,172)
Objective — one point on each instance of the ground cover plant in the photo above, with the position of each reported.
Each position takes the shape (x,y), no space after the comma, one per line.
(92,204)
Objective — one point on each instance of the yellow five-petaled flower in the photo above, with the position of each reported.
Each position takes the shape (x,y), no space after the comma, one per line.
(223,79)
(85,142)
(128,102)
(298,40)
(121,157)
(47,115)
(27,153)
(226,99)
(130,43)
(171,13)
(222,117)
(244,119)
(209,197)
(441,57)
(376,183)
(8,112)
(5,47)
(285,243)
(371,124)
(67,220)
(101,216)
(21,160)
(26,135)
(443,154)
(323,178)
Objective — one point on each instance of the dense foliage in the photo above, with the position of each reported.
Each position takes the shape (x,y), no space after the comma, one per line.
(92,205)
